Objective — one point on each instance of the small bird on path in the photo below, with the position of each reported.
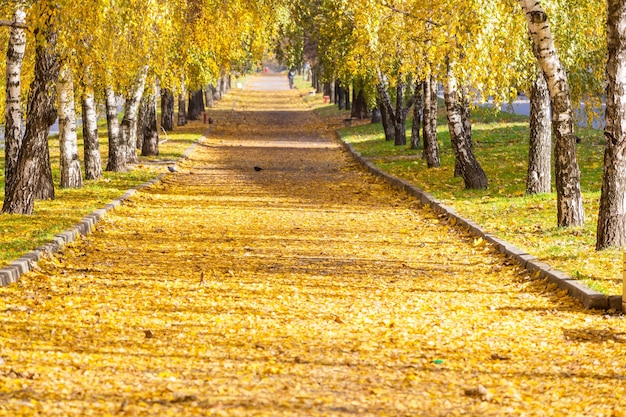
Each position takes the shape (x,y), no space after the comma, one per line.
(171,168)
(257,169)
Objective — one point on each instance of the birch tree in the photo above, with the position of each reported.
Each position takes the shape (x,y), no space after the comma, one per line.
(117,148)
(71,176)
(131,110)
(569,197)
(611,229)
(33,176)
(13,104)
(431,145)
(418,112)
(460,133)
(93,163)
(147,126)
(539,178)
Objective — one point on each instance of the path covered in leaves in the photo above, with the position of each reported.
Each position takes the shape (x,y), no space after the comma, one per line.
(307,288)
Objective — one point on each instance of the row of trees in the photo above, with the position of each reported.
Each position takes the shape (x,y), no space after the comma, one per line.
(63,56)
(393,52)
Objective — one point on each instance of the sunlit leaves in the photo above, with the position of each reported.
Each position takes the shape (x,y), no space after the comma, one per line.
(108,41)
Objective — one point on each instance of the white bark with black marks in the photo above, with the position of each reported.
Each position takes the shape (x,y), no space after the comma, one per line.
(612,214)
(217,91)
(539,178)
(208,95)
(567,174)
(13,99)
(469,169)
(93,161)
(148,123)
(117,147)
(400,114)
(131,108)
(386,113)
(71,176)
(33,174)
(431,144)
(418,112)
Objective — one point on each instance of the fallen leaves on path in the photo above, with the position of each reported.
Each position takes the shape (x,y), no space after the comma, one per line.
(306,288)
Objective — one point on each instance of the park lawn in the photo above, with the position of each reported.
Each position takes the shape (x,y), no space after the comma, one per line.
(529,222)
(20,234)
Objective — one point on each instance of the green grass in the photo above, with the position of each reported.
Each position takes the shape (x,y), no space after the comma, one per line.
(529,222)
(20,234)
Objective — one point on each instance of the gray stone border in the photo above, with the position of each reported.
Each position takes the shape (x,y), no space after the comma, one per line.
(12,272)
(590,299)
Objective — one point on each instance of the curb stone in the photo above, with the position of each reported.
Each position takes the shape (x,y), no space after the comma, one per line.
(589,298)
(27,262)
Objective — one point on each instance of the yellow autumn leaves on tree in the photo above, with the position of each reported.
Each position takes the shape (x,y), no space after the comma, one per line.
(109,41)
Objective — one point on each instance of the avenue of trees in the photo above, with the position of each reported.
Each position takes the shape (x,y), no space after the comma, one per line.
(65,58)
(385,58)
(394,53)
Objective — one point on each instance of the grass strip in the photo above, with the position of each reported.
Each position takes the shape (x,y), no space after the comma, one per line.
(20,234)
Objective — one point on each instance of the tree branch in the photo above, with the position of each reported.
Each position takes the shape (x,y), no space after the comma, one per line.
(13,24)
(409,15)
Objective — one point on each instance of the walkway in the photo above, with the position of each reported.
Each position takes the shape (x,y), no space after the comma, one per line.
(307,288)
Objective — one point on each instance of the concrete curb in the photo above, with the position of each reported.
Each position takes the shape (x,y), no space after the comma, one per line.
(27,262)
(590,299)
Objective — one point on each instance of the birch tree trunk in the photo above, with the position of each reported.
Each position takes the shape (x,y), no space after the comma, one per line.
(93,162)
(182,108)
(149,132)
(470,170)
(13,110)
(129,123)
(217,91)
(49,73)
(223,86)
(117,147)
(538,179)
(33,175)
(71,176)
(418,110)
(208,96)
(567,174)
(431,145)
(167,110)
(612,214)
(196,105)
(400,113)
(359,105)
(44,190)
(386,113)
